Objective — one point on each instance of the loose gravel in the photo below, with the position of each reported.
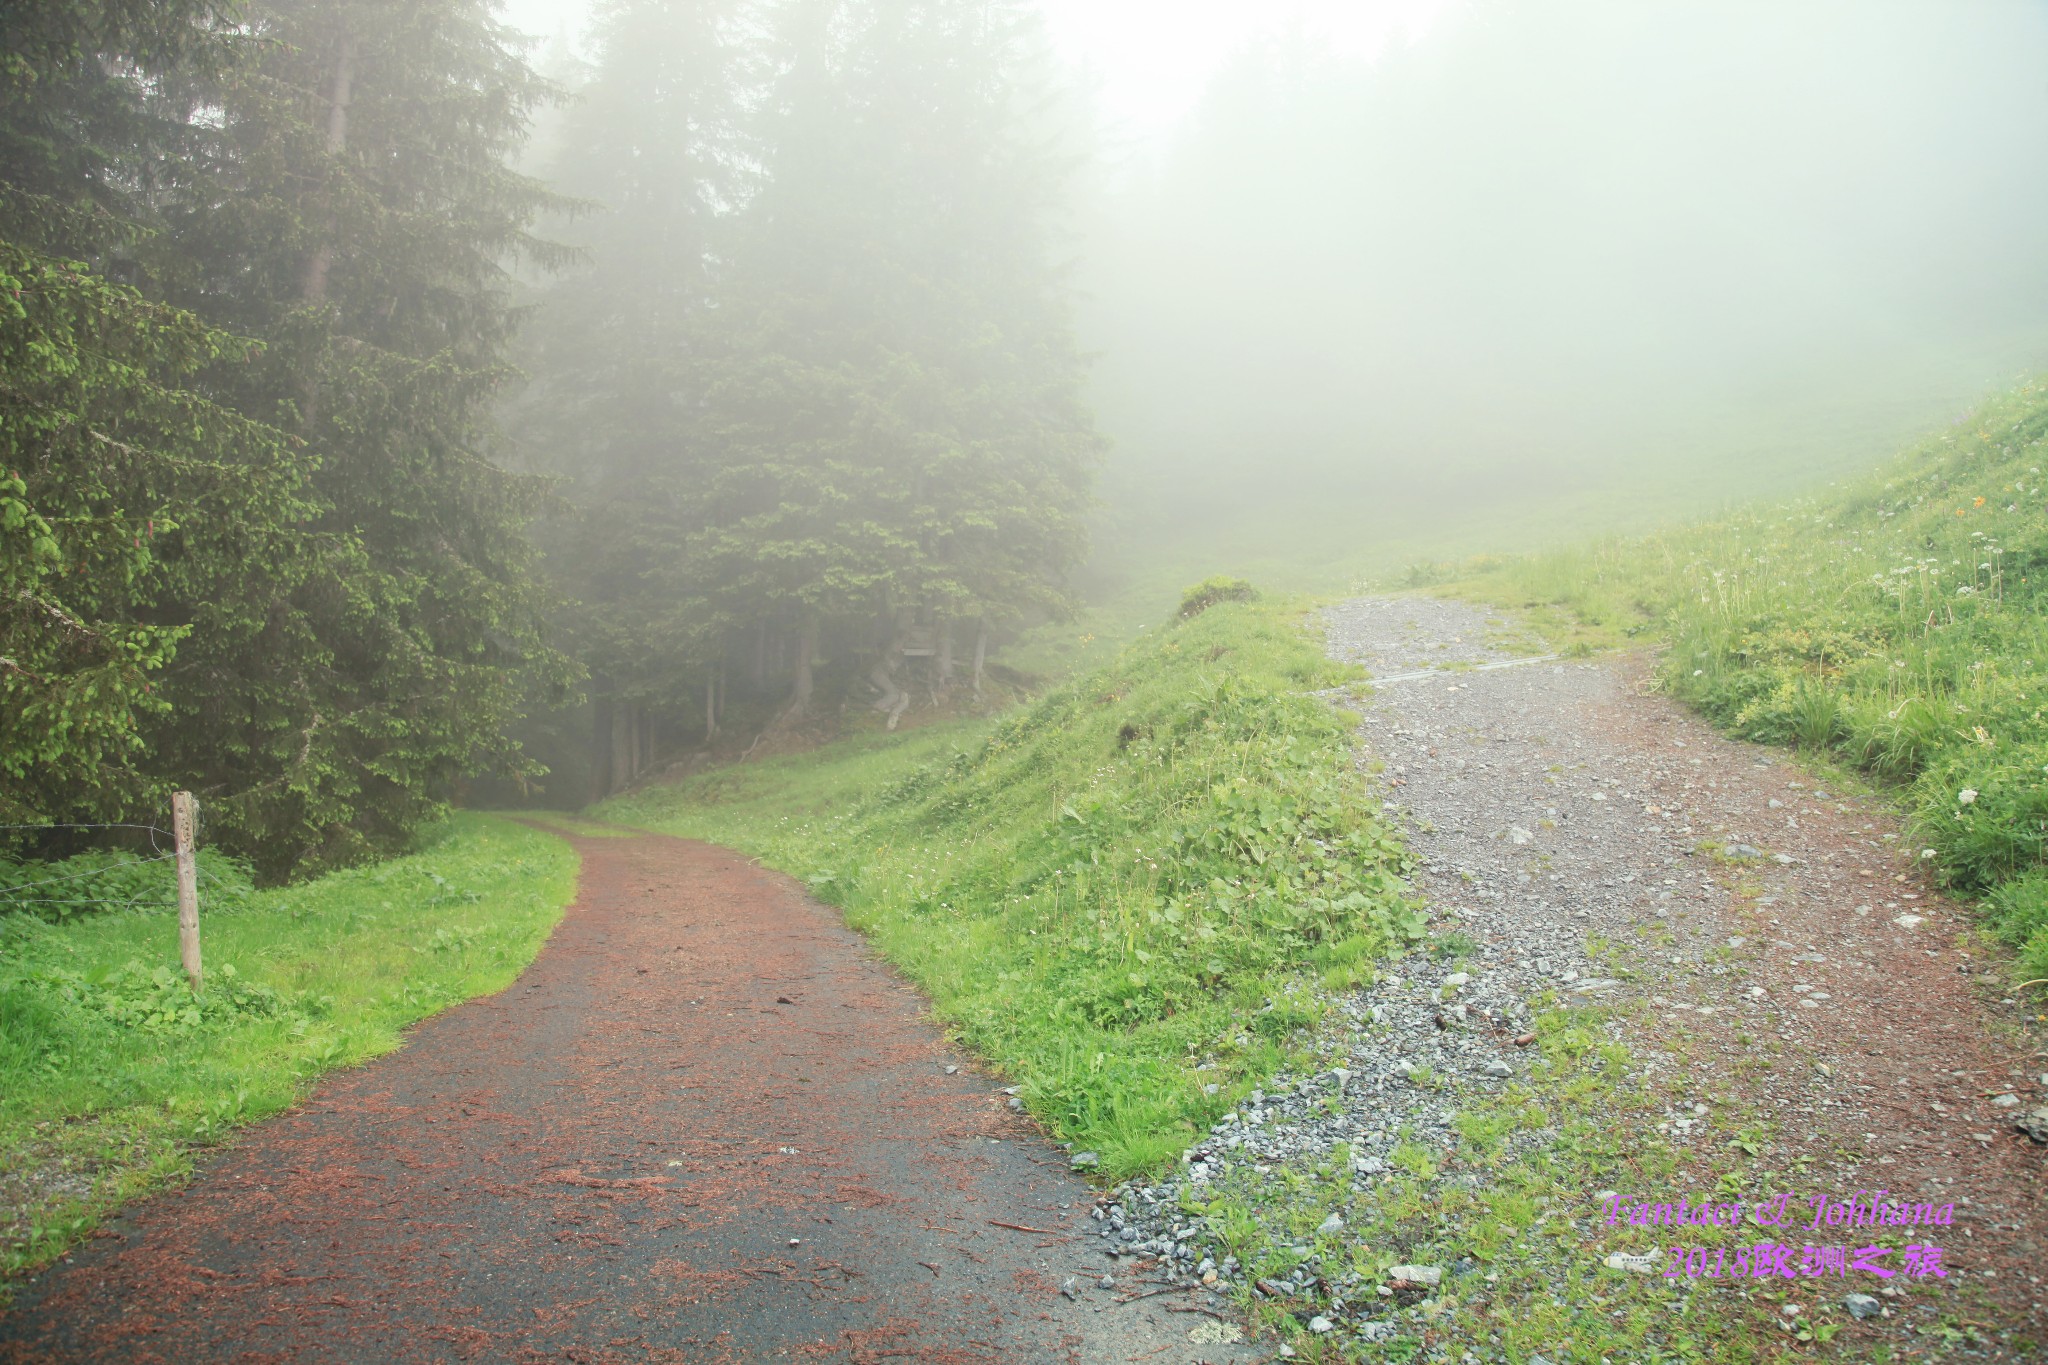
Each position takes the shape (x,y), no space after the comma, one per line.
(1557,804)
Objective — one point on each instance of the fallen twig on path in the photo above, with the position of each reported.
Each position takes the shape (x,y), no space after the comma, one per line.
(1019,1227)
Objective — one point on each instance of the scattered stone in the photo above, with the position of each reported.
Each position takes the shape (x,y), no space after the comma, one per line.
(1320,1324)
(1106,1282)
(1862,1306)
(1084,1161)
(2006,1102)
(1014,1103)
(1908,921)
(1498,1071)
(2034,1124)
(1070,1288)
(952,1071)
(1429,1276)
(1457,979)
(1215,1334)
(1330,1226)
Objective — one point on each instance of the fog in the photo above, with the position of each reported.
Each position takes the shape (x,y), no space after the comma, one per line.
(1373,282)
(1559,265)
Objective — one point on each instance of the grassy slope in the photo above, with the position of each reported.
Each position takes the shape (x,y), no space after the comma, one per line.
(109,1077)
(1897,625)
(1109,892)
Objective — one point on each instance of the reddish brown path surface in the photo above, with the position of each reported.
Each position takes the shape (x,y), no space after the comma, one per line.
(706,1125)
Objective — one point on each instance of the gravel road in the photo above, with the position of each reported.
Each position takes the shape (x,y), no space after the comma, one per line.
(1786,960)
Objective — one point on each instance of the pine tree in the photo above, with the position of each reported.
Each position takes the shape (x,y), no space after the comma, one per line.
(89,105)
(123,491)
(653,152)
(349,202)
(902,444)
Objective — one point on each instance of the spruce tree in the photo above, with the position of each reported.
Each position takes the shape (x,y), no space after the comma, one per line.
(124,492)
(902,445)
(349,202)
(652,154)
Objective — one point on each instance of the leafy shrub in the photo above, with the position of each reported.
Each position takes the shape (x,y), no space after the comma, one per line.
(93,883)
(1986,814)
(1210,591)
(2019,915)
(158,999)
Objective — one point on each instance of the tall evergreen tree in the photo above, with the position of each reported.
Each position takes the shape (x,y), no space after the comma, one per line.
(348,200)
(134,505)
(903,440)
(89,107)
(124,493)
(653,154)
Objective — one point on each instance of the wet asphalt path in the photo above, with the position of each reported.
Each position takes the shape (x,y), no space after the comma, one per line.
(706,1125)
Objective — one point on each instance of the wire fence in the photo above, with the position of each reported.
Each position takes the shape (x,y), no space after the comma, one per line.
(67,903)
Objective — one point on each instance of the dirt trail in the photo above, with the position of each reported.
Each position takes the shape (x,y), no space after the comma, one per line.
(705,1126)
(1815,981)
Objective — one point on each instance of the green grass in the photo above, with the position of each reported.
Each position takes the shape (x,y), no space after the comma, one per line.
(111,1075)
(1109,892)
(1897,625)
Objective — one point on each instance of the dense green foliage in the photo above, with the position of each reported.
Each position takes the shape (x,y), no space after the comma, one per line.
(110,1071)
(1898,624)
(817,385)
(283,575)
(131,508)
(1110,888)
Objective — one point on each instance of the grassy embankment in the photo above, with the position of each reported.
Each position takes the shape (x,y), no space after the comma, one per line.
(1897,625)
(110,1074)
(1112,893)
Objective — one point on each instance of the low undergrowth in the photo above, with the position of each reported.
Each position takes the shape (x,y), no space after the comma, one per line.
(111,1073)
(1898,626)
(1106,891)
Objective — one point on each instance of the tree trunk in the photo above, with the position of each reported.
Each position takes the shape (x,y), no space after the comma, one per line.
(600,742)
(710,708)
(760,672)
(945,656)
(623,766)
(313,285)
(980,655)
(806,655)
(883,675)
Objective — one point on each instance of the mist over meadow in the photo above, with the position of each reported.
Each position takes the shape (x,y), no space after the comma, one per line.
(1557,267)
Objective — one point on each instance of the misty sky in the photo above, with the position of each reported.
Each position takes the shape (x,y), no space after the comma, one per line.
(1153,58)
(1384,258)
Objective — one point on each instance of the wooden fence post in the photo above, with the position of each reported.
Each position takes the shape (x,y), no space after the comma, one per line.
(185,829)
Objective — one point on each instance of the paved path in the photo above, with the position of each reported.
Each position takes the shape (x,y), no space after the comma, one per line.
(706,1125)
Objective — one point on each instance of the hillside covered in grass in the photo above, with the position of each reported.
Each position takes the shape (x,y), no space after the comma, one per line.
(1110,891)
(1899,624)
